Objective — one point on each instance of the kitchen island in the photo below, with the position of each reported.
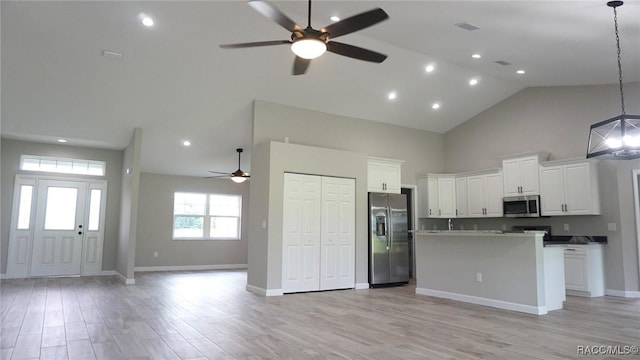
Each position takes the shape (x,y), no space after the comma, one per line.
(512,271)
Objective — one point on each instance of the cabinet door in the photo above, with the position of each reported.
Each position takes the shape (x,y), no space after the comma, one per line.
(475,196)
(512,177)
(493,195)
(529,176)
(423,197)
(301,233)
(461,197)
(432,211)
(375,177)
(391,178)
(447,196)
(337,239)
(577,188)
(574,272)
(551,190)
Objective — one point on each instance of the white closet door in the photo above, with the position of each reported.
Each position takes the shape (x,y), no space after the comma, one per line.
(337,244)
(301,233)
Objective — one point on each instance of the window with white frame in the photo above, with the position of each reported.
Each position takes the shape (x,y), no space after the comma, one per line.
(198,216)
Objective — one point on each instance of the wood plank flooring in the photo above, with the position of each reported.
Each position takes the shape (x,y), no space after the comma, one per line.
(209,315)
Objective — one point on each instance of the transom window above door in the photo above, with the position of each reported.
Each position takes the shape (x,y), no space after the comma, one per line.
(62,166)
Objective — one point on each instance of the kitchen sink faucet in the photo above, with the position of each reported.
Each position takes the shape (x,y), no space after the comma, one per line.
(450,224)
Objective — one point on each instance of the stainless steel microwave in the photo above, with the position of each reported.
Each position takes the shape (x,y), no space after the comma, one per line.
(521,206)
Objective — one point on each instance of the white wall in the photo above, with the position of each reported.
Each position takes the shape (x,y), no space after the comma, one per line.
(155,219)
(11,151)
(557,120)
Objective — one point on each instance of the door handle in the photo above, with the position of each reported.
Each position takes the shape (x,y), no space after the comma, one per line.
(79,232)
(79,226)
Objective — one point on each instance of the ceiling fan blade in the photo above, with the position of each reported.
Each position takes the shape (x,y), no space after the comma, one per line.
(255,44)
(300,65)
(216,176)
(355,52)
(273,13)
(355,23)
(219,172)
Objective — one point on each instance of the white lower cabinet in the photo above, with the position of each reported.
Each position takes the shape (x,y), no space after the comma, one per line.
(584,270)
(318,249)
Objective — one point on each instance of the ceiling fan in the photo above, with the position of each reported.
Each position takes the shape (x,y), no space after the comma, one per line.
(309,43)
(237,176)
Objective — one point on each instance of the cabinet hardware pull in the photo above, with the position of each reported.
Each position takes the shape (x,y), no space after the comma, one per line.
(569,249)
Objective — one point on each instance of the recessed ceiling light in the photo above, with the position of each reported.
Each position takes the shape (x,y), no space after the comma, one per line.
(392,95)
(473,82)
(435,106)
(476,56)
(62,140)
(186,143)
(335,18)
(146,20)
(520,72)
(429,68)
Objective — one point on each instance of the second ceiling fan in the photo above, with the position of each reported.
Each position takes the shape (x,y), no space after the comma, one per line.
(309,43)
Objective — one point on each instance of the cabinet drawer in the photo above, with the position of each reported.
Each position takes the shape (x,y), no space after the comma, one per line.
(575,250)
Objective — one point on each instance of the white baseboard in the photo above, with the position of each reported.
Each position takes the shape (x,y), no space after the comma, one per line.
(529,309)
(264,292)
(191,267)
(360,286)
(623,293)
(3,276)
(124,279)
(99,273)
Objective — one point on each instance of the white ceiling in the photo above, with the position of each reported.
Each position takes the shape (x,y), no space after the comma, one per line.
(175,83)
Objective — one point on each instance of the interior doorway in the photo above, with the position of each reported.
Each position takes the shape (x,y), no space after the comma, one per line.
(57,227)
(636,200)
(409,192)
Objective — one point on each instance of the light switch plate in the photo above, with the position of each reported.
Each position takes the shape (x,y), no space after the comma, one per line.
(566,227)
(612,226)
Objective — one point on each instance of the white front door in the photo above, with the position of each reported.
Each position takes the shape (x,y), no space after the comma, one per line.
(59,228)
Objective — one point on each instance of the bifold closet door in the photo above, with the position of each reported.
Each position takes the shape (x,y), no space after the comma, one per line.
(301,233)
(337,241)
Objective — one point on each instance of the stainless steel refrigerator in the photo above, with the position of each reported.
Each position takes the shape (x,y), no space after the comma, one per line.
(388,239)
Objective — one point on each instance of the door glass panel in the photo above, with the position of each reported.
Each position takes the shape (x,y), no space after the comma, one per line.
(60,213)
(94,210)
(24,209)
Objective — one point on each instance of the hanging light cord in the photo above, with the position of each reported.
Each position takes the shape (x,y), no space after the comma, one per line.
(615,21)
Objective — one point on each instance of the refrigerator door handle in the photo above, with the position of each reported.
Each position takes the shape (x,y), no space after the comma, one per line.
(390,227)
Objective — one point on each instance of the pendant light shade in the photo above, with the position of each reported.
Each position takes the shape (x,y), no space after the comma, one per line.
(618,137)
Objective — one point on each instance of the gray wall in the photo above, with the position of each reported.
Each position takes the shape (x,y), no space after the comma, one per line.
(155,219)
(422,151)
(557,120)
(11,151)
(324,133)
(129,207)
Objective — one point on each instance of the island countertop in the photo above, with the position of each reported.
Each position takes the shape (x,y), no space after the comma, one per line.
(508,270)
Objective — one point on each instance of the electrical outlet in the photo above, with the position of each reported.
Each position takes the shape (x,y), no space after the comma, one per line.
(612,227)
(475,226)
(479,277)
(504,227)
(155,254)
(566,227)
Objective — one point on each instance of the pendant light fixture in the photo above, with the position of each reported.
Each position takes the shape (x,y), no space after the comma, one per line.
(618,137)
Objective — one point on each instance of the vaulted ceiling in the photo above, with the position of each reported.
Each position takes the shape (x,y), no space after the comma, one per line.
(173,81)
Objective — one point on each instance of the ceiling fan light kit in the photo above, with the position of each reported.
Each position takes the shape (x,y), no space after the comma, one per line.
(237,176)
(310,43)
(619,137)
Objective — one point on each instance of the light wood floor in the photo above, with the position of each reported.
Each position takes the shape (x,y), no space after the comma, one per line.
(209,315)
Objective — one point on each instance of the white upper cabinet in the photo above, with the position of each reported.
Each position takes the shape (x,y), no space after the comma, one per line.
(461,197)
(484,195)
(437,194)
(521,176)
(384,175)
(569,188)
